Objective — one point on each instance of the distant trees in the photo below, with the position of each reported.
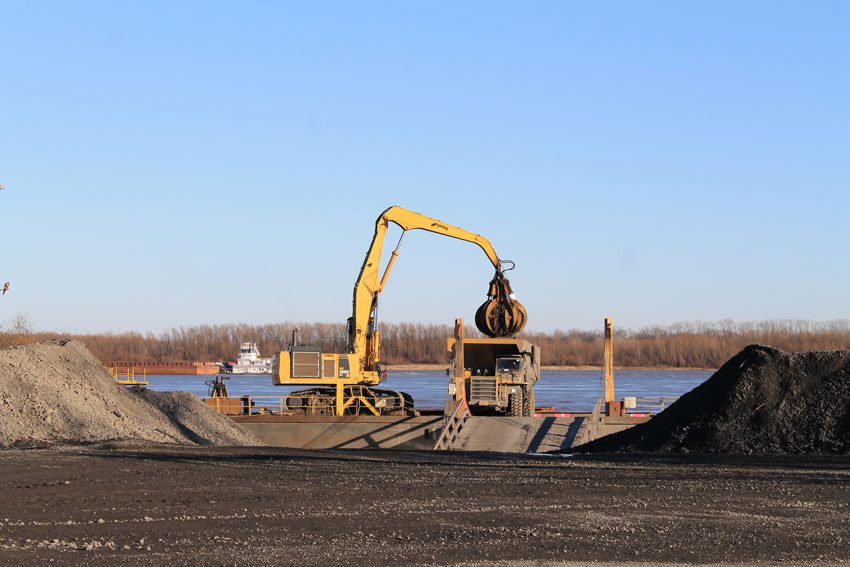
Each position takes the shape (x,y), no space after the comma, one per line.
(17,331)
(694,344)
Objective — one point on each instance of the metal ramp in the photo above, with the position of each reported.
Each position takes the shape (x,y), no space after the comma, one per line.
(517,434)
(452,426)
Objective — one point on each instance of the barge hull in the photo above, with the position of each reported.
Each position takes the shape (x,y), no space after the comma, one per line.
(497,434)
(169,368)
(346,432)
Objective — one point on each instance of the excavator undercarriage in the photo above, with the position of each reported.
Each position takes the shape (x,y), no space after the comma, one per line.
(355,400)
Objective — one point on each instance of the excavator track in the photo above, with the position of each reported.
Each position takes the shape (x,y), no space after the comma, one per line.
(322,401)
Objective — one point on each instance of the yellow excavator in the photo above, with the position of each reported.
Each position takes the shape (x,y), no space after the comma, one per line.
(343,384)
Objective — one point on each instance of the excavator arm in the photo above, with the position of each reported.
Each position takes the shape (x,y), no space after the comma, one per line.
(500,315)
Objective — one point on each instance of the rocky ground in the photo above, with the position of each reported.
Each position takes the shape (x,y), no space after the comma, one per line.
(96,474)
(172,505)
(57,392)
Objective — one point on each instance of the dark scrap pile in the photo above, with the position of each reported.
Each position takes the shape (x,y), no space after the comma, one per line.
(762,401)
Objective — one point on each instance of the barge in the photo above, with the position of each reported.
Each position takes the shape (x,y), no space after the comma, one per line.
(169,368)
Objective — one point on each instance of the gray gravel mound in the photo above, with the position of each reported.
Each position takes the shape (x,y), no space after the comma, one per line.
(762,401)
(58,393)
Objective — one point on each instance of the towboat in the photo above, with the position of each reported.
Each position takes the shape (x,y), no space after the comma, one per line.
(250,362)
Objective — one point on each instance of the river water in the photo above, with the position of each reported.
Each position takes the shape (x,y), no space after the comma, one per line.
(564,390)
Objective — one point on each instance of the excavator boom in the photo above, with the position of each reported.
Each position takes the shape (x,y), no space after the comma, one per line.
(501,315)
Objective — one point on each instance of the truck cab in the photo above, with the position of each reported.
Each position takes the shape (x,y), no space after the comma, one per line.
(509,368)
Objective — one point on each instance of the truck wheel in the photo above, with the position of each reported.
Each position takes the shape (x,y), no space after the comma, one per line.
(516,405)
(528,404)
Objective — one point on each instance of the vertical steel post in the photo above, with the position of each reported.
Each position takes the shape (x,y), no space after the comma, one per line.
(340,402)
(608,361)
(460,382)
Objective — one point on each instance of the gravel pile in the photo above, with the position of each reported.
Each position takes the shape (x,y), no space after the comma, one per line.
(58,393)
(762,401)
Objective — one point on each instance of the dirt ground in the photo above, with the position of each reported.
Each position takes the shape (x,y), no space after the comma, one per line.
(170,505)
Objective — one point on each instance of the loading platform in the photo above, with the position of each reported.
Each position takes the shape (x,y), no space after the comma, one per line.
(478,433)
(453,427)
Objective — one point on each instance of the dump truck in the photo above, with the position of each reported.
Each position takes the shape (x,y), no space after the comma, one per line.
(496,376)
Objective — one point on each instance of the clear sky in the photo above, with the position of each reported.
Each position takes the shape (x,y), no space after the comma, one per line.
(182,163)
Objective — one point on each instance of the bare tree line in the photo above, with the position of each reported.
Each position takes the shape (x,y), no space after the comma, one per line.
(682,345)
(690,345)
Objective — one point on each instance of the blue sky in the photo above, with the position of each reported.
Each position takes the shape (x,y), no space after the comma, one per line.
(182,163)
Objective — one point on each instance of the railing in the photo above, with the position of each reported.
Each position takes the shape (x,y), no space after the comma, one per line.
(164,364)
(650,404)
(257,405)
(127,376)
(452,427)
(357,403)
(249,405)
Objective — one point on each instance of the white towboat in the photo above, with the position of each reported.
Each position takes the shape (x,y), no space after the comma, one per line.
(249,361)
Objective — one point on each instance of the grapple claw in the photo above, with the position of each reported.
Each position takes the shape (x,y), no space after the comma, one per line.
(501,315)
